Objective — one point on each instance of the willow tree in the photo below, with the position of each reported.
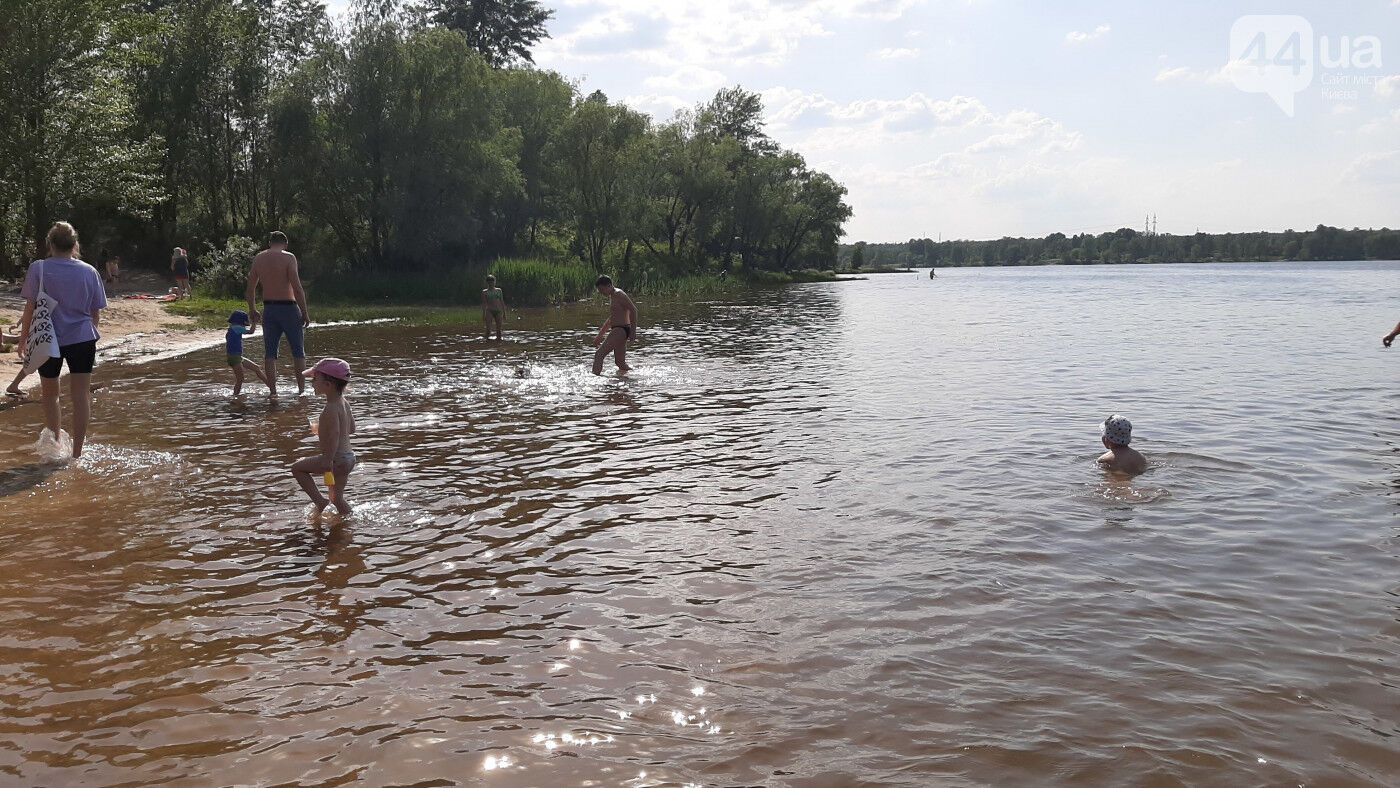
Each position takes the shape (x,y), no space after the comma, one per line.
(66,132)
(598,150)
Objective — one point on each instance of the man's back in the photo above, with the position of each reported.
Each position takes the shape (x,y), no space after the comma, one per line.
(276,271)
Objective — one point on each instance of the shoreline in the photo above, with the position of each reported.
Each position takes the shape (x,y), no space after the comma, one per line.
(141,330)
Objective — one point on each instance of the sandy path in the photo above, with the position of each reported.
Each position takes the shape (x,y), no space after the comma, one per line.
(130,328)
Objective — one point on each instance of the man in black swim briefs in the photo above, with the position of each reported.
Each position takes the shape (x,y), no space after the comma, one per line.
(620,328)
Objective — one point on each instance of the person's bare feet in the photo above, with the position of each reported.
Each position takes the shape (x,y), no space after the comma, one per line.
(13,391)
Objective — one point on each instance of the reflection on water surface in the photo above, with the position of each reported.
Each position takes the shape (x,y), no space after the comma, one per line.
(829,535)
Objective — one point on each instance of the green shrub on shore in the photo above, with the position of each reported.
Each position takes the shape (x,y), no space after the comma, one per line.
(223,272)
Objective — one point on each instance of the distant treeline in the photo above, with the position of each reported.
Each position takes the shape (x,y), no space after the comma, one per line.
(1131,246)
(410,136)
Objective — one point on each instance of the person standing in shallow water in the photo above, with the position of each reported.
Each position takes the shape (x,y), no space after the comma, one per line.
(77,287)
(284,308)
(493,307)
(619,329)
(336,424)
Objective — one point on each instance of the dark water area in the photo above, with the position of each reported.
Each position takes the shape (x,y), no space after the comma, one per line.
(832,534)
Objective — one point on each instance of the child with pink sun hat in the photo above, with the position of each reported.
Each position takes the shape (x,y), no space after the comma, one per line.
(329,377)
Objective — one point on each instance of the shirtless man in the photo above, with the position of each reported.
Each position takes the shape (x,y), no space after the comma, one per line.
(284,308)
(620,328)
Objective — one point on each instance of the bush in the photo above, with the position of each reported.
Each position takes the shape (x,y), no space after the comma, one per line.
(223,272)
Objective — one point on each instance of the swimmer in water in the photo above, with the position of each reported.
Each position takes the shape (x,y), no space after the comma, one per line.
(1117,434)
(619,329)
(329,377)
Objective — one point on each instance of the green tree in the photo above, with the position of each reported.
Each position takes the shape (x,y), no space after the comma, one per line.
(403,120)
(66,135)
(597,149)
(537,104)
(503,31)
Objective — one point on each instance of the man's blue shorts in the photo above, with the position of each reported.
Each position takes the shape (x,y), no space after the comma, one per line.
(282,318)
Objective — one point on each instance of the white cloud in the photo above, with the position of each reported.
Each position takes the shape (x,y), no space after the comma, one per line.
(660,107)
(895,53)
(1388,124)
(1204,76)
(1375,169)
(907,160)
(1077,37)
(692,78)
(708,32)
(1389,86)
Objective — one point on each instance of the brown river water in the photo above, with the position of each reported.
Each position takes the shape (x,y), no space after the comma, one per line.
(828,535)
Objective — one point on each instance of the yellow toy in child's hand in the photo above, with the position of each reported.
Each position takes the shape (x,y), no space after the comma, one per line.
(330,479)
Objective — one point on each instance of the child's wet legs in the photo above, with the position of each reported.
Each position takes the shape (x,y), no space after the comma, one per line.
(302,471)
(342,478)
(253,368)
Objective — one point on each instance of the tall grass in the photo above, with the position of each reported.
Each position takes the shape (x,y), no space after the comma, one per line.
(540,282)
(687,287)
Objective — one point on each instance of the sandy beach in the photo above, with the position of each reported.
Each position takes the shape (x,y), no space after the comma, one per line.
(131,329)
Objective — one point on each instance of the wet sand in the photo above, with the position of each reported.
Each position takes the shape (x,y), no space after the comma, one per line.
(131,328)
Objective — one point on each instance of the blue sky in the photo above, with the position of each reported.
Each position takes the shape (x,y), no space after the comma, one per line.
(982,118)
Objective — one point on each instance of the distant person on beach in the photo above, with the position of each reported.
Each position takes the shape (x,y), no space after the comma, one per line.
(284,308)
(77,289)
(114,269)
(931,274)
(1117,434)
(233,346)
(180,265)
(619,329)
(493,307)
(329,378)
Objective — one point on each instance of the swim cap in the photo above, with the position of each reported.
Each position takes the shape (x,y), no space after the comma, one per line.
(333,368)
(1118,430)
(238,318)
